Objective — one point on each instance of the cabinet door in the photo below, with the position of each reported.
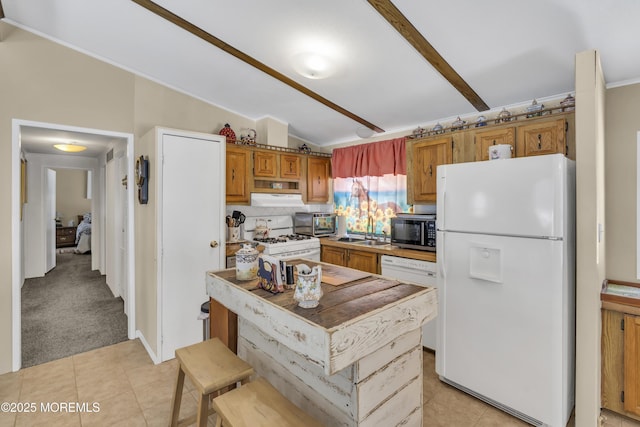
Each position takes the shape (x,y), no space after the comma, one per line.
(364,261)
(632,364)
(265,164)
(289,166)
(612,347)
(485,139)
(542,138)
(318,171)
(425,158)
(333,255)
(237,188)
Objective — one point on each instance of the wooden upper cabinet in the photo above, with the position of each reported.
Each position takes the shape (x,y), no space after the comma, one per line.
(487,138)
(542,138)
(424,158)
(290,166)
(318,174)
(238,166)
(265,164)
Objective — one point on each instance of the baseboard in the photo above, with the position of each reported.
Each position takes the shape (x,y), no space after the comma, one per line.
(155,359)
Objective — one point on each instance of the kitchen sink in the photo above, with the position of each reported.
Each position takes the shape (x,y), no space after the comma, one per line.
(371,243)
(350,240)
(360,241)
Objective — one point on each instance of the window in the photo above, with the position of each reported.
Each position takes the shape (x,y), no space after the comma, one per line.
(370,185)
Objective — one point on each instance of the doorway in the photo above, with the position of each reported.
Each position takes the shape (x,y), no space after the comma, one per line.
(24,237)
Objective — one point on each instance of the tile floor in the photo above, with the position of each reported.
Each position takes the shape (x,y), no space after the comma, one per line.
(131,391)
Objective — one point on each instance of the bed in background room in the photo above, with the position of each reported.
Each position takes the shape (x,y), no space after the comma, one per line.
(83,235)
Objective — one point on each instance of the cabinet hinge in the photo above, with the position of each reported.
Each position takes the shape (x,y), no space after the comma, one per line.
(566,126)
(622,396)
(622,324)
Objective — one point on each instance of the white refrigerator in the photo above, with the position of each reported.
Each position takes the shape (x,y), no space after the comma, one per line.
(506,279)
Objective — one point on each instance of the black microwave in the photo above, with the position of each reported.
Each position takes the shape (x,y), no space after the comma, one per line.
(414,231)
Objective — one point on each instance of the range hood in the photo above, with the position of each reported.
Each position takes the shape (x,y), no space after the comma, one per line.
(276,200)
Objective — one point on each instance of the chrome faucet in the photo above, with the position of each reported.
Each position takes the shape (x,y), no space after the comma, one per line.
(369,235)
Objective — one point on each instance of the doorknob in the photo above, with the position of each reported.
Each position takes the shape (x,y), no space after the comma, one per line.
(213,243)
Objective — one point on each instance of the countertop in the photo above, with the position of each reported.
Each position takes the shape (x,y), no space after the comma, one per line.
(337,332)
(381,249)
(232,248)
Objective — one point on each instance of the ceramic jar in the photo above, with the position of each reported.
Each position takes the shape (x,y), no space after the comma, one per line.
(308,287)
(247,263)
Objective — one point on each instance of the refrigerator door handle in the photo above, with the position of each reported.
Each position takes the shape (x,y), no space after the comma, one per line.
(442,273)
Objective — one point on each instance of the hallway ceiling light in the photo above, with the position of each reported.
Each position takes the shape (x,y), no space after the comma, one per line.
(70,147)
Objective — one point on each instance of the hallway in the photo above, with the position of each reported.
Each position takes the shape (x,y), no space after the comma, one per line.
(69,311)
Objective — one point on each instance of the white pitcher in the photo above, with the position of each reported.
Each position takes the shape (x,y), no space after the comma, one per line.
(308,287)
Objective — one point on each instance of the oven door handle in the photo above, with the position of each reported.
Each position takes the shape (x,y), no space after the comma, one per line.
(307,254)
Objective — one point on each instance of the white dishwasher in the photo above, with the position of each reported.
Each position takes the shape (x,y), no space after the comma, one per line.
(420,273)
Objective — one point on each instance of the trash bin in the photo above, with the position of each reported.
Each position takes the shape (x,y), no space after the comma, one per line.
(204,315)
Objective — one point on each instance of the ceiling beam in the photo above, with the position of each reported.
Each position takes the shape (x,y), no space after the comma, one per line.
(413,36)
(198,32)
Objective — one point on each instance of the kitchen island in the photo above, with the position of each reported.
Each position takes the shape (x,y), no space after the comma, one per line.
(355,360)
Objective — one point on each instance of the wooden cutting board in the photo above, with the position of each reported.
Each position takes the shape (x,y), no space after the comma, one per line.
(336,276)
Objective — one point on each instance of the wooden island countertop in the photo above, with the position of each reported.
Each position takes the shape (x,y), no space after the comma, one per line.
(354,360)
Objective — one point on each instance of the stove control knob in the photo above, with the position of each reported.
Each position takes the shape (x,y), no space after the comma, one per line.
(213,243)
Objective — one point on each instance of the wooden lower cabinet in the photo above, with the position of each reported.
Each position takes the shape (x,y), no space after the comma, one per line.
(632,364)
(359,260)
(621,363)
(332,255)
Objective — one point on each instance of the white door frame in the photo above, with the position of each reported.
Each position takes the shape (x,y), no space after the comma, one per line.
(49,217)
(17,262)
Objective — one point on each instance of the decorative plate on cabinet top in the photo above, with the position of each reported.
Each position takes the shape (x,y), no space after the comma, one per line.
(534,109)
(504,116)
(568,104)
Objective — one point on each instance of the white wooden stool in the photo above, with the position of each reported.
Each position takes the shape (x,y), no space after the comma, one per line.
(211,366)
(259,404)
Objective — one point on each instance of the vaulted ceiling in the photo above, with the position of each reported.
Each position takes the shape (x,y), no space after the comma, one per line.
(395,65)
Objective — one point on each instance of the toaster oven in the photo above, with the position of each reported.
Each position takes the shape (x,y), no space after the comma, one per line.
(315,224)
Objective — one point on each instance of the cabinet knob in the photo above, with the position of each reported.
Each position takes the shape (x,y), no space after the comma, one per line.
(430,171)
(213,243)
(539,141)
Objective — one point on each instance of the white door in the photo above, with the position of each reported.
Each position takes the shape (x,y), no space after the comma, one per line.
(192,185)
(50,219)
(122,236)
(111,198)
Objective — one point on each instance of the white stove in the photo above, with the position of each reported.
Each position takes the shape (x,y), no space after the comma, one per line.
(281,242)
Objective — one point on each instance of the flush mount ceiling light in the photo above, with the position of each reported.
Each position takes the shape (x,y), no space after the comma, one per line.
(313,65)
(70,147)
(364,132)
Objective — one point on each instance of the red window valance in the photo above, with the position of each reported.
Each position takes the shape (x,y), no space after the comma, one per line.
(374,159)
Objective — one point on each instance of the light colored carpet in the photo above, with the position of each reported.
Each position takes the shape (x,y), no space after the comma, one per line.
(69,311)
